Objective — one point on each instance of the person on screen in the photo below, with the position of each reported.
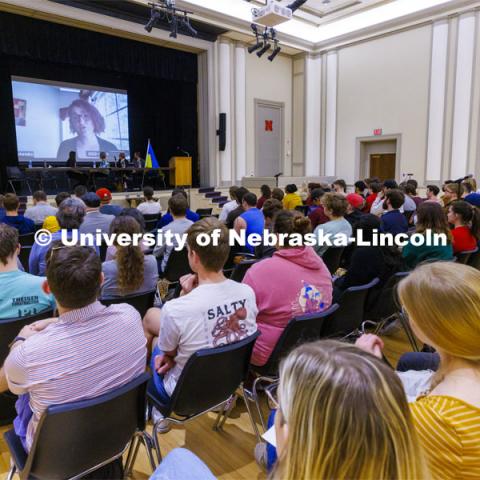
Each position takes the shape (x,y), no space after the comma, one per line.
(72,159)
(87,123)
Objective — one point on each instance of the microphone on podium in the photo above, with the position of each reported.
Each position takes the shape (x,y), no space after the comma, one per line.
(276,177)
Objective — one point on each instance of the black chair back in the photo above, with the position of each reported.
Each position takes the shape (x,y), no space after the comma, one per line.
(386,304)
(332,258)
(24,255)
(240,269)
(151,221)
(27,239)
(302,329)
(14,173)
(474,260)
(177,265)
(464,257)
(141,301)
(103,251)
(351,311)
(204,212)
(78,437)
(210,377)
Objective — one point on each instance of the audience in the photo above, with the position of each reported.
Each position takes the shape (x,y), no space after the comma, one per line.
(229,206)
(316,213)
(70,215)
(106,206)
(442,303)
(411,191)
(361,188)
(465,219)
(149,206)
(168,217)
(177,206)
(305,286)
(236,212)
(335,207)
(451,191)
(22,293)
(278,194)
(377,205)
(311,187)
(251,220)
(292,198)
(41,208)
(21,223)
(94,220)
(130,271)
(211,311)
(373,190)
(82,354)
(339,186)
(2,209)
(79,191)
(270,208)
(432,194)
(392,221)
(354,208)
(266,194)
(430,217)
(50,223)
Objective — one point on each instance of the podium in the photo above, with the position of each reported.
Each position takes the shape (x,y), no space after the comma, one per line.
(180,171)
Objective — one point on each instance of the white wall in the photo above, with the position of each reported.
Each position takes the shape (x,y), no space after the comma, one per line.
(384,83)
(271,81)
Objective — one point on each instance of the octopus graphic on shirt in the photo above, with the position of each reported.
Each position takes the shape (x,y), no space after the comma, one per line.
(228,322)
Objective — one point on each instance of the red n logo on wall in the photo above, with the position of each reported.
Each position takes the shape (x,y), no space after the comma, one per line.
(269,125)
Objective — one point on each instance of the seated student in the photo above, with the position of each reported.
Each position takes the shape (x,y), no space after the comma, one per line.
(335,207)
(340,186)
(354,208)
(409,204)
(229,206)
(236,212)
(90,350)
(278,194)
(374,189)
(442,301)
(411,191)
(50,223)
(311,187)
(21,223)
(392,221)
(368,262)
(292,198)
(41,208)
(322,432)
(305,285)
(177,205)
(377,205)
(361,188)
(316,213)
(451,191)
(211,311)
(149,206)
(79,191)
(465,219)
(167,218)
(270,208)
(469,186)
(130,272)
(70,216)
(251,220)
(22,293)
(106,206)
(432,194)
(266,194)
(430,216)
(94,220)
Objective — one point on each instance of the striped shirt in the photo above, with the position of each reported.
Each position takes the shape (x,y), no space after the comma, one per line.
(88,352)
(449,430)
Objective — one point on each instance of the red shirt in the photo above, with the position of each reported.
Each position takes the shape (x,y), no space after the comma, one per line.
(317,216)
(369,201)
(463,240)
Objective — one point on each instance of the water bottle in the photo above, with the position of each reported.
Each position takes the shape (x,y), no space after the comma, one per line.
(29,163)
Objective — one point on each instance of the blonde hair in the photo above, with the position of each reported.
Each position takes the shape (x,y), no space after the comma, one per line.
(347,417)
(442,299)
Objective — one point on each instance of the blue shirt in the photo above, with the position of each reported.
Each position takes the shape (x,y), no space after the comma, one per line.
(22,224)
(111,209)
(255,223)
(2,213)
(21,295)
(167,218)
(393,222)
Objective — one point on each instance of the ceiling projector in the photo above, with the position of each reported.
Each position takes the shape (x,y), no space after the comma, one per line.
(272,14)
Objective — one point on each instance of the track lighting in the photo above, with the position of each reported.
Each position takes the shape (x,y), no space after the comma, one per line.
(177,18)
(264,49)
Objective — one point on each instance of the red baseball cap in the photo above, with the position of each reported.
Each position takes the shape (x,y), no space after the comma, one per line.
(104,194)
(354,199)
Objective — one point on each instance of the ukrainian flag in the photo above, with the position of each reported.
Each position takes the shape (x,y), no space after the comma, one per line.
(150,158)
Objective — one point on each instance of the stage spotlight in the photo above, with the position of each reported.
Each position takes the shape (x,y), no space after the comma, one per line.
(252,48)
(264,49)
(188,26)
(174,27)
(275,52)
(154,16)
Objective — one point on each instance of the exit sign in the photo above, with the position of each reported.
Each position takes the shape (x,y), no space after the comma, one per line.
(378,131)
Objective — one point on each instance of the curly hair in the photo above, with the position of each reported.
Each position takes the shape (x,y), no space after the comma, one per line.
(96,117)
(130,259)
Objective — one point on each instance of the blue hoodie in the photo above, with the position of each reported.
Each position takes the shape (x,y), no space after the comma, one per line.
(22,224)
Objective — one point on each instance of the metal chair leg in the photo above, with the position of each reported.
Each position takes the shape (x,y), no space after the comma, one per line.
(156,443)
(12,472)
(246,395)
(12,186)
(131,456)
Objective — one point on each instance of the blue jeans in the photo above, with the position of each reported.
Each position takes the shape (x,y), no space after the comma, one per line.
(157,379)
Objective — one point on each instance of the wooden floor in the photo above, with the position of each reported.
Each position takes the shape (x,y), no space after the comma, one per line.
(228,453)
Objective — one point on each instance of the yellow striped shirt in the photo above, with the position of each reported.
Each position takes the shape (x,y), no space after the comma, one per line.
(449,430)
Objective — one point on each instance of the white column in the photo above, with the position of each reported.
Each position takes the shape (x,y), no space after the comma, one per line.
(313,103)
(463,95)
(331,114)
(224,86)
(436,112)
(240,113)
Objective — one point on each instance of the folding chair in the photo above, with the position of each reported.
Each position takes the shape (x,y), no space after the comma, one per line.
(140,301)
(464,257)
(241,269)
(332,258)
(14,174)
(474,260)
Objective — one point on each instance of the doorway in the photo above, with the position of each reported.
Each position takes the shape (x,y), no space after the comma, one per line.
(382,165)
(378,157)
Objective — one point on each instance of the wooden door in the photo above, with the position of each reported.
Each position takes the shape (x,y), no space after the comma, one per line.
(382,165)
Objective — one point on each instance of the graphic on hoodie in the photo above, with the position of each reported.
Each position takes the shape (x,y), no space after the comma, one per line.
(310,300)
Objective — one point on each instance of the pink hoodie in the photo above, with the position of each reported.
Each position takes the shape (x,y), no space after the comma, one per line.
(295,281)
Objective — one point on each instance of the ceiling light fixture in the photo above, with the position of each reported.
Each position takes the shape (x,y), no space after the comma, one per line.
(177,18)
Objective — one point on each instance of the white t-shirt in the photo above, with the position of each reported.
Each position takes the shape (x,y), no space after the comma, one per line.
(226,209)
(211,315)
(149,207)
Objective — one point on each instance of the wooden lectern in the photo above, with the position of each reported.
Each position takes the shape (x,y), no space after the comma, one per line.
(180,171)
